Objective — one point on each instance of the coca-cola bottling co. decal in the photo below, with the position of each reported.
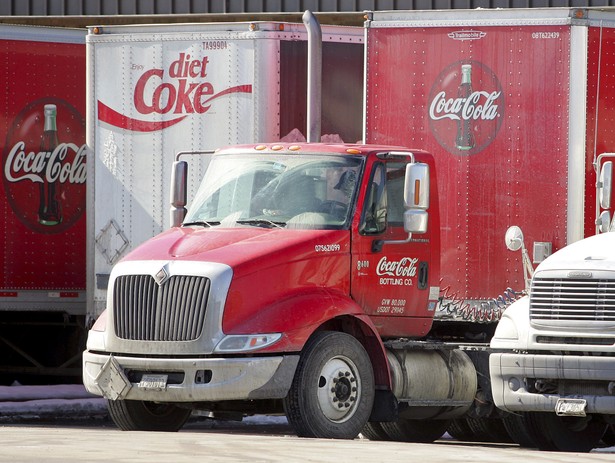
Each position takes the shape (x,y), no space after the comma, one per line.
(466,107)
(44,170)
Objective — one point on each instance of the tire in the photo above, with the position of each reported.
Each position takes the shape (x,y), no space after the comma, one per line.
(517,430)
(374,431)
(460,430)
(333,391)
(608,439)
(488,430)
(565,433)
(423,431)
(136,415)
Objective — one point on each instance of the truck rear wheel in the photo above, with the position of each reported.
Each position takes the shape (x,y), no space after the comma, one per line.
(374,431)
(333,391)
(425,431)
(136,415)
(564,433)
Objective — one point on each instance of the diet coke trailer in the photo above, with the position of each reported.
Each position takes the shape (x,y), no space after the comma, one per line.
(155,90)
(42,283)
(515,106)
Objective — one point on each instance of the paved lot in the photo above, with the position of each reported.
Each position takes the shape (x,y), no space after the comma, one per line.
(101,442)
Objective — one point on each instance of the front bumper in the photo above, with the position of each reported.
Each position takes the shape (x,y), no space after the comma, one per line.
(592,379)
(191,379)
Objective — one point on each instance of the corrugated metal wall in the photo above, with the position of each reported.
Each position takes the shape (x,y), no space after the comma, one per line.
(130,7)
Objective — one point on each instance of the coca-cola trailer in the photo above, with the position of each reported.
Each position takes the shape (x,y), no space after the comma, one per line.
(515,105)
(42,283)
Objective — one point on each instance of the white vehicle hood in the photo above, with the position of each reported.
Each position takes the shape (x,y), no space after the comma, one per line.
(593,253)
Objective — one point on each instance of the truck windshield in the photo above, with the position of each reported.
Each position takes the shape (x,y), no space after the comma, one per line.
(291,191)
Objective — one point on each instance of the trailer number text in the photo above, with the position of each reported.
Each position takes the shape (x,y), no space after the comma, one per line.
(215,45)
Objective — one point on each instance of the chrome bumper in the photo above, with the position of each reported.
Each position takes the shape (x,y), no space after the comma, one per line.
(509,372)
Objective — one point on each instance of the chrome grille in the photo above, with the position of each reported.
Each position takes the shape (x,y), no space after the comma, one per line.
(573,300)
(173,311)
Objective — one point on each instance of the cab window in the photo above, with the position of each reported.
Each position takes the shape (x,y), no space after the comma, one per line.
(384,204)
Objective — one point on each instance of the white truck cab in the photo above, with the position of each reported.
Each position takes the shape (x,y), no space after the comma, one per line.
(553,360)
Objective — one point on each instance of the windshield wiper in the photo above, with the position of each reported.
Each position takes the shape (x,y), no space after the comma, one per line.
(201,223)
(262,222)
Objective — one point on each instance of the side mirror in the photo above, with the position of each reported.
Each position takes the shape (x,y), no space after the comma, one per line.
(514,238)
(415,221)
(416,186)
(604,188)
(514,242)
(604,222)
(179,178)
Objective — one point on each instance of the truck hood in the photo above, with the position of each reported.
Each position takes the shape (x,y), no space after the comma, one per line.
(593,253)
(243,249)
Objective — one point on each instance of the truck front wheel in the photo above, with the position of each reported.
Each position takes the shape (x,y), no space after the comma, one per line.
(564,433)
(333,390)
(136,415)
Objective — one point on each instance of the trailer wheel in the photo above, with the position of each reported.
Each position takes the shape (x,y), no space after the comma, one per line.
(488,430)
(136,415)
(333,390)
(460,430)
(424,431)
(373,431)
(565,433)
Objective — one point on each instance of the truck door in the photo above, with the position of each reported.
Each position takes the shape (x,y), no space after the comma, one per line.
(390,281)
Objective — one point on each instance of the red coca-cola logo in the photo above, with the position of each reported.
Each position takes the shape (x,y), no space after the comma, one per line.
(33,174)
(180,90)
(466,107)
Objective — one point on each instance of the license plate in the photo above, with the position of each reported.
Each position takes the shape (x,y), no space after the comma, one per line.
(153,382)
(570,407)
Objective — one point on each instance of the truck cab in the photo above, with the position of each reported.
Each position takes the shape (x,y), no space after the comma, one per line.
(275,291)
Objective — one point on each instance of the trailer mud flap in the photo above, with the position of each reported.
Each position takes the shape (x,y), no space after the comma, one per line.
(112,381)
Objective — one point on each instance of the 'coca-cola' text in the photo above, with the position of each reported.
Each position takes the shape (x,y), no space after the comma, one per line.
(479,105)
(405,267)
(46,166)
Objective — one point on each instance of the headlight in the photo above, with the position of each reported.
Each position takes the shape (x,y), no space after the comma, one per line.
(246,342)
(101,322)
(505,331)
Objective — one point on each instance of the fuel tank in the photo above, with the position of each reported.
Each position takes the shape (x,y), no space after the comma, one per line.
(432,384)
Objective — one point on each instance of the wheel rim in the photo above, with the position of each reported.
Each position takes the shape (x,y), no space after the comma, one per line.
(339,389)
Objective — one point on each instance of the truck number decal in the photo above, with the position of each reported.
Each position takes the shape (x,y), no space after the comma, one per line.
(545,35)
(327,247)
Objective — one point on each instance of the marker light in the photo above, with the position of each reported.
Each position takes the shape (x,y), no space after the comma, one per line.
(417,192)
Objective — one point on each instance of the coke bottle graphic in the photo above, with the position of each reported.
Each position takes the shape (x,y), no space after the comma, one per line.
(49,211)
(465,138)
